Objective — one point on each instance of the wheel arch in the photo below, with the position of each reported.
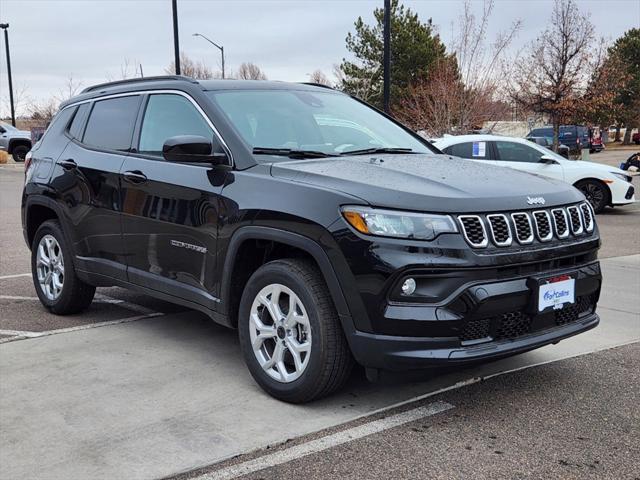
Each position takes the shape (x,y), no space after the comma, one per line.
(299,245)
(38,211)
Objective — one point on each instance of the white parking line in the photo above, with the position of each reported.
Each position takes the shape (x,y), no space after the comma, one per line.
(17,275)
(324,443)
(18,334)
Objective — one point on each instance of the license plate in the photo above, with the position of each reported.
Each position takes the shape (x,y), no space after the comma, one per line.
(556,293)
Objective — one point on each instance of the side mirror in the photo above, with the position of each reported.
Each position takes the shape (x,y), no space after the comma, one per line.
(192,149)
(548,160)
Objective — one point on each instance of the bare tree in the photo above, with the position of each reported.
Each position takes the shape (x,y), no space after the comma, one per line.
(42,113)
(191,68)
(70,89)
(318,76)
(21,100)
(554,77)
(462,92)
(250,71)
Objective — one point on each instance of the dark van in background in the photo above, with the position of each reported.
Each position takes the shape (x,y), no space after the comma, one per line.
(576,137)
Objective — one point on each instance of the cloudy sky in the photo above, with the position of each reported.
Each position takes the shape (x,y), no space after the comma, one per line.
(89,40)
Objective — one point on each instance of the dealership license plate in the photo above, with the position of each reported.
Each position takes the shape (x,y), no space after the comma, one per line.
(556,293)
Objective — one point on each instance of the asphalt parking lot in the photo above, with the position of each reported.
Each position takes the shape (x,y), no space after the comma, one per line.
(139,388)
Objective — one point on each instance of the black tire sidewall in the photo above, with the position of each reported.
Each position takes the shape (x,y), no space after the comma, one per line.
(17,149)
(52,228)
(269,274)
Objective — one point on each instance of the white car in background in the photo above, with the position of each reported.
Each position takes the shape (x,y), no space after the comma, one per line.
(602,185)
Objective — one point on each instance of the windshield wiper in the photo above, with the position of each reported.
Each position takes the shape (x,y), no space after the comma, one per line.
(291,153)
(367,151)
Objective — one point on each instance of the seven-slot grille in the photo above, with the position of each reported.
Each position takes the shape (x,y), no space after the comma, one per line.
(523,227)
(543,225)
(524,232)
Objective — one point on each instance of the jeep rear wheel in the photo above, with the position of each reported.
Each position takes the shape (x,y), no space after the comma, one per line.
(54,277)
(290,333)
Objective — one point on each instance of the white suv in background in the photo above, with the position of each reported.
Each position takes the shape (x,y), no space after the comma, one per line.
(601,184)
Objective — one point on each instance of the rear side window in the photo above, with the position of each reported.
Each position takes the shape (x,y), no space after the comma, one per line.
(111,122)
(469,150)
(166,116)
(75,129)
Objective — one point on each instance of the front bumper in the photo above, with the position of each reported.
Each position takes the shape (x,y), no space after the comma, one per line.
(484,320)
(622,193)
(407,353)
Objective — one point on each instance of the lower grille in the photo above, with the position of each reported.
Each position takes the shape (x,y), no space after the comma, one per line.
(629,193)
(476,330)
(513,325)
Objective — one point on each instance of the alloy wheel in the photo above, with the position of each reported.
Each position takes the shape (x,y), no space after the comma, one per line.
(594,195)
(280,333)
(50,267)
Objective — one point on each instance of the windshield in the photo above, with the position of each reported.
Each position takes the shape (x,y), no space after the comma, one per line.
(326,122)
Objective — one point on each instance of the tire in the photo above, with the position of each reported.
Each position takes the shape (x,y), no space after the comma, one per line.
(328,360)
(596,192)
(19,152)
(62,292)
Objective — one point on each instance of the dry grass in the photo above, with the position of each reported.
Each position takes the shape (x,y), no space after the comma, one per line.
(4,157)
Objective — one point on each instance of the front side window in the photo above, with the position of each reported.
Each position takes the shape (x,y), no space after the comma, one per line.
(517,152)
(169,115)
(111,122)
(327,122)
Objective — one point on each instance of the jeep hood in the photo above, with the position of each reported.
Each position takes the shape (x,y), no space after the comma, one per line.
(427,182)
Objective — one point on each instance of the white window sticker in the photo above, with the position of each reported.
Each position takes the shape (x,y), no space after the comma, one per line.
(479,149)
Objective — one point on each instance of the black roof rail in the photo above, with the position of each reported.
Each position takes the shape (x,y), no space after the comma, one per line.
(138,80)
(322,85)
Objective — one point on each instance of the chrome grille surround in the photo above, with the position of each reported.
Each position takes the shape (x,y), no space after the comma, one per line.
(497,217)
(587,217)
(522,240)
(464,223)
(537,221)
(575,220)
(558,228)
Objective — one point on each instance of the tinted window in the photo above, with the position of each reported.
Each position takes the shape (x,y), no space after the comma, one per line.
(75,129)
(517,152)
(479,150)
(541,132)
(111,122)
(167,116)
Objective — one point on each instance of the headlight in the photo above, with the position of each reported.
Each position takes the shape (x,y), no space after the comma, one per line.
(389,223)
(621,176)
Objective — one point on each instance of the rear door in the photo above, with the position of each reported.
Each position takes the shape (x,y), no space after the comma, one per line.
(170,210)
(524,157)
(86,177)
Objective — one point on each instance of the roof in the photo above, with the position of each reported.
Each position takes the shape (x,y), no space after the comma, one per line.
(172,81)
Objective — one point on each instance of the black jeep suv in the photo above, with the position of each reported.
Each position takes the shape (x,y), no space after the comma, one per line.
(321,229)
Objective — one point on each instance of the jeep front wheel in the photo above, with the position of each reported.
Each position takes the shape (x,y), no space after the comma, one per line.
(290,333)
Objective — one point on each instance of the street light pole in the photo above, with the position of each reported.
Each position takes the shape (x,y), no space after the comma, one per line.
(386,55)
(176,42)
(219,47)
(5,27)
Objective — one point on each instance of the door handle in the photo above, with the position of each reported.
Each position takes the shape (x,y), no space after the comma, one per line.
(135,176)
(68,164)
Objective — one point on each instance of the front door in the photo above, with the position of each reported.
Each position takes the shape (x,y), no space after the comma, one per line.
(170,210)
(525,158)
